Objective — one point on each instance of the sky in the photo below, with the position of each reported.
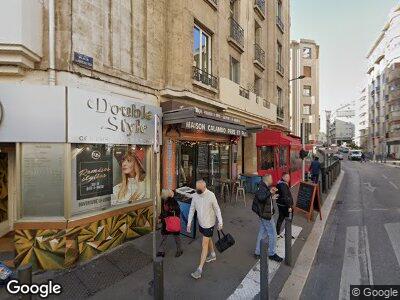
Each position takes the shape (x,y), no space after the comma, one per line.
(345,31)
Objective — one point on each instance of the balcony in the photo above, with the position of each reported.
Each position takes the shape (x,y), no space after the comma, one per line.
(394,73)
(394,116)
(242,100)
(280,24)
(213,3)
(21,43)
(280,69)
(259,7)
(393,136)
(280,113)
(236,36)
(205,78)
(259,57)
(244,93)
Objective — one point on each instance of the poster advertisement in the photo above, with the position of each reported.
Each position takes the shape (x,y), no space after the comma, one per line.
(94,172)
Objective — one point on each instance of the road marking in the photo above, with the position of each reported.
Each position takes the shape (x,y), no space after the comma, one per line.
(393,231)
(250,285)
(354,210)
(356,261)
(394,185)
(369,187)
(384,176)
(380,209)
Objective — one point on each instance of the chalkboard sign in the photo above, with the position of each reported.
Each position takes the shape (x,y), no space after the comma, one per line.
(202,161)
(308,199)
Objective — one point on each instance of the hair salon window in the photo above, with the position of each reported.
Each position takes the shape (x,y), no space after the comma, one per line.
(108,175)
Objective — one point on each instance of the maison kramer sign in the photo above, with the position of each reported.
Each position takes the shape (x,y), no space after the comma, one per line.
(109,119)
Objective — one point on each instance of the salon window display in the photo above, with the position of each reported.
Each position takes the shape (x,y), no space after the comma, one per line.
(108,175)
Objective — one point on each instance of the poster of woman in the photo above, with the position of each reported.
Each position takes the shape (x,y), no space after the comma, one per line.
(130,187)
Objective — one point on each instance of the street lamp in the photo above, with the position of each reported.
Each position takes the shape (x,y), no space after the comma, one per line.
(297,78)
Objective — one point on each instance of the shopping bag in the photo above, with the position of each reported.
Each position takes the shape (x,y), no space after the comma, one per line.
(225,242)
(173,224)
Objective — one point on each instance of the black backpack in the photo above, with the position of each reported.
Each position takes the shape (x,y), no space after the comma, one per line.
(256,205)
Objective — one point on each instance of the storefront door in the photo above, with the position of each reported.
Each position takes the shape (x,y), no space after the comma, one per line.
(6,186)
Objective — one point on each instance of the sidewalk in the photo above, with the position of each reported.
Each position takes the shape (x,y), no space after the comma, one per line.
(127,270)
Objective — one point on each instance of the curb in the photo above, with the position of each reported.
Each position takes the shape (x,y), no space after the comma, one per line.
(295,283)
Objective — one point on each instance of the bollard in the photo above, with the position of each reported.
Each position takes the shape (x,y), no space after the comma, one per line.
(25,277)
(158,278)
(288,240)
(264,281)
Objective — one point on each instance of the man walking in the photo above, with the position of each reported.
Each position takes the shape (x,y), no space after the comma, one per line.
(315,169)
(264,208)
(284,202)
(207,208)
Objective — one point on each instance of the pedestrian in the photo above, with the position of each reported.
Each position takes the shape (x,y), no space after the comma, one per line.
(263,206)
(362,157)
(169,208)
(284,202)
(315,169)
(205,204)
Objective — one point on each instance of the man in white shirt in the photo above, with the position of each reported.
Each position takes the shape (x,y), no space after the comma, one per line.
(207,208)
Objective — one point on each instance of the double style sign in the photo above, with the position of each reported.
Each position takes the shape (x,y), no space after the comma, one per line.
(308,199)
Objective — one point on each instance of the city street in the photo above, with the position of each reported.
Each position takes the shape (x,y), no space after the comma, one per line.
(361,242)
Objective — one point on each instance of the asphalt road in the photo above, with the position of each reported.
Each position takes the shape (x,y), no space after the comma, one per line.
(361,241)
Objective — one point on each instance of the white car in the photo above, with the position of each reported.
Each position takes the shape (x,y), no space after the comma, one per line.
(355,155)
(338,156)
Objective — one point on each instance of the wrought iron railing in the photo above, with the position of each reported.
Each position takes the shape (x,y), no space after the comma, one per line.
(259,54)
(204,77)
(280,23)
(280,112)
(261,5)
(243,92)
(215,2)
(237,32)
(280,68)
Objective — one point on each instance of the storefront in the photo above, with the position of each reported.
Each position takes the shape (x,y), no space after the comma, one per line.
(199,144)
(77,168)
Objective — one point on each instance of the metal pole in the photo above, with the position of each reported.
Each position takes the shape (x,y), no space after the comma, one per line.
(264,281)
(303,143)
(158,278)
(288,241)
(25,277)
(155,149)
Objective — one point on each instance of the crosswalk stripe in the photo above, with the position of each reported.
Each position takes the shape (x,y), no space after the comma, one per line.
(356,262)
(393,231)
(250,286)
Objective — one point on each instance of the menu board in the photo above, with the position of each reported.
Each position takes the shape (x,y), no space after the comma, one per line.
(42,179)
(202,161)
(308,199)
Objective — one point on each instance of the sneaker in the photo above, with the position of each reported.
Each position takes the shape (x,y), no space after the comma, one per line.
(211,258)
(280,236)
(160,254)
(178,253)
(276,258)
(196,274)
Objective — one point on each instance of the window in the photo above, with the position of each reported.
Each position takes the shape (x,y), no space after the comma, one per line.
(283,156)
(279,9)
(279,97)
(307,71)
(257,33)
(307,129)
(257,86)
(234,70)
(306,52)
(233,8)
(307,90)
(201,49)
(108,175)
(306,109)
(279,54)
(266,157)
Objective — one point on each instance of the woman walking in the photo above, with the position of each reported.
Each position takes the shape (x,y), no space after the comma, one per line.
(170,220)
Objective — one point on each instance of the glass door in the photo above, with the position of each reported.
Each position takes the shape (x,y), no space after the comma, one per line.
(215,172)
(185,163)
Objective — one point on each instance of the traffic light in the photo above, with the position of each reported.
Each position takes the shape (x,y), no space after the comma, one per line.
(303,154)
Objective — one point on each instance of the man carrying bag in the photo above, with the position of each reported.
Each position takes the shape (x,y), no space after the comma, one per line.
(264,208)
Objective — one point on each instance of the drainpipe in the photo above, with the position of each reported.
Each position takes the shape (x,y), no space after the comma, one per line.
(52,44)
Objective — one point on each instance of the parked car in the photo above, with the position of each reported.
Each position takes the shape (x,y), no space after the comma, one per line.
(344,150)
(355,155)
(338,156)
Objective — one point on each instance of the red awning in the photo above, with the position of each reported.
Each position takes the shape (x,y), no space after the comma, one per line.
(269,137)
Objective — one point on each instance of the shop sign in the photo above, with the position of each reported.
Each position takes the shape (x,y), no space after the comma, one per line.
(214,128)
(215,115)
(32,113)
(103,119)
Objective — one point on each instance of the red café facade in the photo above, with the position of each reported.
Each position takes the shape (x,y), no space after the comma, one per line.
(278,153)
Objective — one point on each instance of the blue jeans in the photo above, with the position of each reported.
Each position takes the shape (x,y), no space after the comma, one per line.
(267,227)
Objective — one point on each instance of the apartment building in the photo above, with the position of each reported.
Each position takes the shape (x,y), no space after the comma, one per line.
(341,132)
(363,119)
(82,84)
(305,92)
(383,77)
